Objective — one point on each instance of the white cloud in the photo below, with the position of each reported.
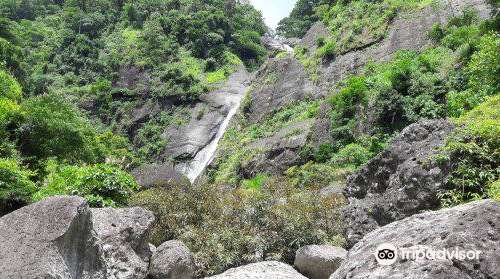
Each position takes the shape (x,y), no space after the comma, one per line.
(274,10)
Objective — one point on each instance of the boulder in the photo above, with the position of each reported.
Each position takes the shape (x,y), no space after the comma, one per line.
(172,260)
(124,236)
(473,226)
(60,237)
(319,261)
(401,181)
(159,175)
(262,270)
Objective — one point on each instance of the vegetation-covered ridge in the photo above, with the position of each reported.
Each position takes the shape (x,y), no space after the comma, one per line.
(73,72)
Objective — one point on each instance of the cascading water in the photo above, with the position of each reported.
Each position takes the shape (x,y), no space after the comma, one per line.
(204,157)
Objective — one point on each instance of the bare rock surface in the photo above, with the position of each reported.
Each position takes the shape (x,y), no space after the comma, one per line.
(60,237)
(262,270)
(186,140)
(399,182)
(408,31)
(172,260)
(319,261)
(473,226)
(159,175)
(280,82)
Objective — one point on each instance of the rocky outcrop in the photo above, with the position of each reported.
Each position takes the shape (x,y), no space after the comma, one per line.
(186,140)
(124,236)
(399,182)
(275,46)
(159,175)
(278,152)
(408,31)
(60,237)
(172,260)
(469,227)
(280,82)
(318,30)
(262,270)
(319,261)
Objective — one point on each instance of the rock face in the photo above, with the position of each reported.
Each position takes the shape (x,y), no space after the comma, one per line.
(187,140)
(470,227)
(406,32)
(280,151)
(172,260)
(275,46)
(124,233)
(319,261)
(159,175)
(399,182)
(262,270)
(60,237)
(316,31)
(280,82)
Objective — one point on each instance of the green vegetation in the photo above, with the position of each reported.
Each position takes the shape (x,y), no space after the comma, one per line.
(227,228)
(474,155)
(101,185)
(73,75)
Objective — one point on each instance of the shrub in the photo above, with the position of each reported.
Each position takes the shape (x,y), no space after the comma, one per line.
(228,228)
(102,185)
(475,155)
(16,187)
(50,126)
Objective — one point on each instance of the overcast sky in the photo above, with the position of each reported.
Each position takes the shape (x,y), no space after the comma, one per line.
(274,10)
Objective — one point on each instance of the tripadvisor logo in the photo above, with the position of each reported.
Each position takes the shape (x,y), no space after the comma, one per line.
(387,254)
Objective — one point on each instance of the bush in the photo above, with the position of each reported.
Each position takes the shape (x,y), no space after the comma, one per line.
(51,126)
(228,228)
(16,187)
(474,155)
(102,185)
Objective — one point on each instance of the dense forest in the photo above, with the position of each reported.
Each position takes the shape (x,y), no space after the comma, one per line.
(72,71)
(64,105)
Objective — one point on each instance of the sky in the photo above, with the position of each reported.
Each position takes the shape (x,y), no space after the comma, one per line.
(274,10)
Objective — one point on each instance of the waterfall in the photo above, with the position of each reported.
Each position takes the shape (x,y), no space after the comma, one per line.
(204,157)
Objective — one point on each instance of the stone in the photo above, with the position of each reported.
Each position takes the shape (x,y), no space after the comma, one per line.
(408,31)
(319,261)
(162,175)
(473,226)
(399,182)
(172,260)
(262,270)
(280,82)
(124,235)
(60,237)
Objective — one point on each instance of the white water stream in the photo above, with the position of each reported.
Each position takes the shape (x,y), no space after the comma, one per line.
(205,156)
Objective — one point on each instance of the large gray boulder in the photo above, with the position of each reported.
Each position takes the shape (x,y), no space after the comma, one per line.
(60,237)
(262,270)
(469,227)
(401,181)
(319,261)
(124,236)
(172,260)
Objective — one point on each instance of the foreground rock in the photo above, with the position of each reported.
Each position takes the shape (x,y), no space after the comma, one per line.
(319,261)
(399,182)
(172,260)
(470,227)
(60,237)
(262,270)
